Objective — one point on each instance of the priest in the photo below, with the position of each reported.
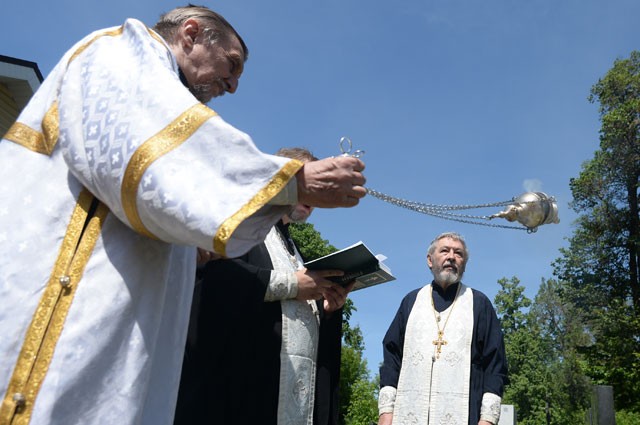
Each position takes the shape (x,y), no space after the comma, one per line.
(111,176)
(444,357)
(264,329)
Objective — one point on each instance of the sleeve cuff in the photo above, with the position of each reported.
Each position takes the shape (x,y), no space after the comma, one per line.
(490,409)
(288,195)
(386,400)
(282,286)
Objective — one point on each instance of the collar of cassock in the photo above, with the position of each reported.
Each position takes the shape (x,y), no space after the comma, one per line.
(284,231)
(183,78)
(442,298)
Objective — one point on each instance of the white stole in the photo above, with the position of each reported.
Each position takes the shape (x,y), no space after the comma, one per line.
(436,390)
(298,353)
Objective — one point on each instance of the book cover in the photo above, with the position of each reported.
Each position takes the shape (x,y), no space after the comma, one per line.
(358,263)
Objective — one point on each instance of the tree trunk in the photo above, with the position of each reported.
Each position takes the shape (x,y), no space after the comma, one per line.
(634,242)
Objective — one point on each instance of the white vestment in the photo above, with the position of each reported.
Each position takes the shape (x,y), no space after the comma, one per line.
(432,389)
(110,176)
(300,335)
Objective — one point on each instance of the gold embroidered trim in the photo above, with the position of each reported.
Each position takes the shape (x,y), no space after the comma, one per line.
(51,127)
(167,139)
(155,35)
(277,183)
(45,142)
(48,320)
(33,140)
(27,137)
(110,33)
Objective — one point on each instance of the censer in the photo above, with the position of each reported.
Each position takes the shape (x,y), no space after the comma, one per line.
(530,209)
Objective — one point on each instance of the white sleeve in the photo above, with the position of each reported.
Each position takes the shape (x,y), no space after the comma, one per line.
(386,400)
(490,409)
(283,285)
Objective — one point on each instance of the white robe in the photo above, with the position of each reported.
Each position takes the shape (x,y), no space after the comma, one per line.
(93,332)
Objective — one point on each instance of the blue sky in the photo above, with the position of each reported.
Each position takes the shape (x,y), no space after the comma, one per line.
(454,102)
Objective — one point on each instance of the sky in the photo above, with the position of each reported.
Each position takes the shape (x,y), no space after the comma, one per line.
(453,101)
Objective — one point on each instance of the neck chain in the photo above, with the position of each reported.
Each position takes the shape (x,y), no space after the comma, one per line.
(441,341)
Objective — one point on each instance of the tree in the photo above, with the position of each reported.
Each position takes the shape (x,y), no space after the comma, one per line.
(619,96)
(600,268)
(562,331)
(608,184)
(363,409)
(547,384)
(309,241)
(358,393)
(525,349)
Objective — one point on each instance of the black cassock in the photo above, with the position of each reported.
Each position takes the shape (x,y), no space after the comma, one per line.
(231,369)
(488,358)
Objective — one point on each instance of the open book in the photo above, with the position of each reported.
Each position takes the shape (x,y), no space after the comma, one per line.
(358,263)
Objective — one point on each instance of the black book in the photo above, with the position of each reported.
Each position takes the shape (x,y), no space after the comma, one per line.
(358,263)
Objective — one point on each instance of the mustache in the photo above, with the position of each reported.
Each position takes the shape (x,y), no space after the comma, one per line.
(450,264)
(202,92)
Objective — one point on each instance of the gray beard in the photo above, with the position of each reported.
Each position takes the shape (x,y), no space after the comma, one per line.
(201,92)
(447,277)
(294,217)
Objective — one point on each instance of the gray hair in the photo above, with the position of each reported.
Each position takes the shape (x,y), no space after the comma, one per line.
(215,25)
(451,235)
(301,154)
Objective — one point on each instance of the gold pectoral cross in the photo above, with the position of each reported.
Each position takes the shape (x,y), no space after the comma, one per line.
(439,343)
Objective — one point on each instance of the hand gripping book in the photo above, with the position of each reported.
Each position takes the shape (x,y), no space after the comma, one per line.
(358,263)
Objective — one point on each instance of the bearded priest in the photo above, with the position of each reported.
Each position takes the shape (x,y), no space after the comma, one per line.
(444,357)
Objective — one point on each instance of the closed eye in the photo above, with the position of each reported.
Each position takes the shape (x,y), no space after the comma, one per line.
(237,64)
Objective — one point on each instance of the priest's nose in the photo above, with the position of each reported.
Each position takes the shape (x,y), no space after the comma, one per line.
(232,84)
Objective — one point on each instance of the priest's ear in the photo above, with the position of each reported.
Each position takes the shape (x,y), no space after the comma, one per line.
(189,32)
(429,262)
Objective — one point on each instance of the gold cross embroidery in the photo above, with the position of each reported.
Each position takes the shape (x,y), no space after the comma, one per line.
(439,343)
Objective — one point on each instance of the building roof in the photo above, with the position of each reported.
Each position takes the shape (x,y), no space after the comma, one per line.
(21,77)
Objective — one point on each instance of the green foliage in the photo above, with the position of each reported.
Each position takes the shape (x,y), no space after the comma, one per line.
(309,241)
(614,355)
(511,305)
(363,409)
(563,332)
(358,393)
(524,349)
(354,379)
(351,335)
(625,417)
(547,384)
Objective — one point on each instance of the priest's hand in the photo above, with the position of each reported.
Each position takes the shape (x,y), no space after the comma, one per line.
(331,182)
(313,283)
(485,423)
(336,296)
(205,256)
(385,419)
